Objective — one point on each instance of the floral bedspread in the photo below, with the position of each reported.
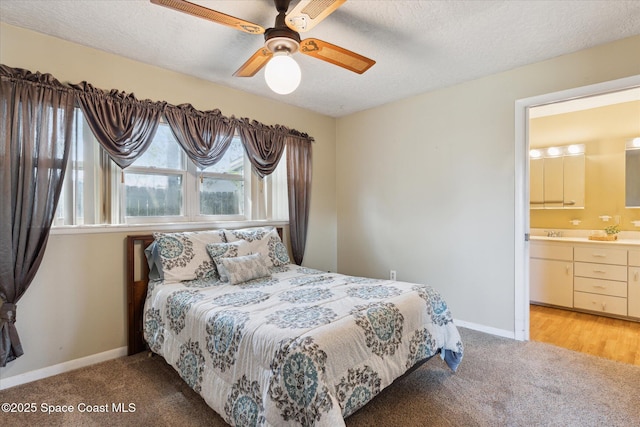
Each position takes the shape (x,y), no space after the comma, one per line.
(302,347)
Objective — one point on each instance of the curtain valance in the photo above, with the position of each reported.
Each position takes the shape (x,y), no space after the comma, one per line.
(263,144)
(122,124)
(125,126)
(203,135)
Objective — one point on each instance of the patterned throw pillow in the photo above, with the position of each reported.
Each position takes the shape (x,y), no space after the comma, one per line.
(262,240)
(249,234)
(227,250)
(184,255)
(241,269)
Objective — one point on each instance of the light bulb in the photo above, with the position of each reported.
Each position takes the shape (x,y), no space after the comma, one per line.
(535,154)
(282,73)
(554,151)
(574,149)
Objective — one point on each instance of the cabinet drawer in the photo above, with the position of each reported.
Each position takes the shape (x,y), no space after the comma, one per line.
(600,303)
(601,255)
(547,251)
(634,258)
(600,271)
(603,287)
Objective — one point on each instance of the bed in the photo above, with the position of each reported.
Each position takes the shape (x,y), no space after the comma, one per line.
(270,343)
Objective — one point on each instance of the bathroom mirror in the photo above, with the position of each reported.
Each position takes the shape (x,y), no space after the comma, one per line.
(632,178)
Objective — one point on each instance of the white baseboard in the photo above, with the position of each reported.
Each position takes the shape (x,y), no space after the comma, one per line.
(60,368)
(487,329)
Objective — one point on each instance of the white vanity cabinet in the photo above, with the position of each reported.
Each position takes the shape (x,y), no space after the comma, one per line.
(557,182)
(600,282)
(598,277)
(553,182)
(573,181)
(551,273)
(634,284)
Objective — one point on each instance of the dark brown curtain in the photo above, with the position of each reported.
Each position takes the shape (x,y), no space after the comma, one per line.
(35,129)
(299,190)
(123,125)
(263,144)
(203,135)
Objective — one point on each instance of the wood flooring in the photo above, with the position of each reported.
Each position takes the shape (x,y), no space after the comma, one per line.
(613,339)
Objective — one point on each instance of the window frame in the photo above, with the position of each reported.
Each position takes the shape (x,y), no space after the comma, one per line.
(104,189)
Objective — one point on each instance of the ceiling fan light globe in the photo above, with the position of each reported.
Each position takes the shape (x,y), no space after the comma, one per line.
(282,74)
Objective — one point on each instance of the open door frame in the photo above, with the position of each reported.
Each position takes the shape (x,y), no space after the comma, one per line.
(521,244)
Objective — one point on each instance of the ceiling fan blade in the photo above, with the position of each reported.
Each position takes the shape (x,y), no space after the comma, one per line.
(255,63)
(336,55)
(211,15)
(308,13)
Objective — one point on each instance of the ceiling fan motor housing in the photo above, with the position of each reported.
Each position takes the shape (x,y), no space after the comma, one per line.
(278,40)
(281,38)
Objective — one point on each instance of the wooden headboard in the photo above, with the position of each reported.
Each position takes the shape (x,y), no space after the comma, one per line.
(137,289)
(136,292)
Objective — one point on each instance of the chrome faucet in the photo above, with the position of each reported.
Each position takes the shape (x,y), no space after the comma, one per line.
(553,233)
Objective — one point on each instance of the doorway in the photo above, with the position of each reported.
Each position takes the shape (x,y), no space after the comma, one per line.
(522,217)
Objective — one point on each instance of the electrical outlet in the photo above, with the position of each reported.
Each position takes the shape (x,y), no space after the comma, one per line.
(392,275)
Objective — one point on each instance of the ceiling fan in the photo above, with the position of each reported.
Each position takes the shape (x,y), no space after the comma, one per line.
(282,40)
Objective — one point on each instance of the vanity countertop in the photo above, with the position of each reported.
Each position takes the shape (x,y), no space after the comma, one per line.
(570,239)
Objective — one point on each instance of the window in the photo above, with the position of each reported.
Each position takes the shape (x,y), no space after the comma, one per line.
(164,185)
(81,179)
(221,186)
(154,183)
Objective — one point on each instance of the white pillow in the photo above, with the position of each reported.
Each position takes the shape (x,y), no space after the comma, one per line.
(262,240)
(241,269)
(184,255)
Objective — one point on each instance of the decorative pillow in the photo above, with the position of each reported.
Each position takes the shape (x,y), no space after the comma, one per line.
(262,240)
(249,234)
(227,250)
(184,255)
(152,253)
(241,269)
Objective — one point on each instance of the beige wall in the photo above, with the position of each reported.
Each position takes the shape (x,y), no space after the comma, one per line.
(604,131)
(427,183)
(75,307)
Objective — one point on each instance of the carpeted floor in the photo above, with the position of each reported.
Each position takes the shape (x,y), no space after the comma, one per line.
(500,382)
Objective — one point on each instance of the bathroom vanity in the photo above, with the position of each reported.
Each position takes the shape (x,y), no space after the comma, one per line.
(584,275)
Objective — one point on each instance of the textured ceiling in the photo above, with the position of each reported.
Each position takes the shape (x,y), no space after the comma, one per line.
(419,46)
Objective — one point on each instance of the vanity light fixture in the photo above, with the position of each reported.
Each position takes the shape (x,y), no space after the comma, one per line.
(567,150)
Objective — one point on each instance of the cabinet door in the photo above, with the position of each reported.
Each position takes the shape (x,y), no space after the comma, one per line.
(573,177)
(634,292)
(536,183)
(551,282)
(553,182)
